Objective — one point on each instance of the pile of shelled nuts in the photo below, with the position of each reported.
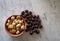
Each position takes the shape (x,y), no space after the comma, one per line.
(15,24)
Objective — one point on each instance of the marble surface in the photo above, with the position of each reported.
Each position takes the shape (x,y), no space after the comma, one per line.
(48,10)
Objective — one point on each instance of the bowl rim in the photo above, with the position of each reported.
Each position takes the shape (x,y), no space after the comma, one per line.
(11,33)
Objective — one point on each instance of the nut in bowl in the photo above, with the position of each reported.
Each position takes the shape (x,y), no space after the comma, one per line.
(15,25)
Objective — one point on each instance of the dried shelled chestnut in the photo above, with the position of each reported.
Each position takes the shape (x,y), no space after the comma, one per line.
(33,22)
(15,25)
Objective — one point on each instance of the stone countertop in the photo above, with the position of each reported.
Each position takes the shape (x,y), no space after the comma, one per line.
(48,10)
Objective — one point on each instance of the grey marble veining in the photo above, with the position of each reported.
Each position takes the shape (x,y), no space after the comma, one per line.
(48,10)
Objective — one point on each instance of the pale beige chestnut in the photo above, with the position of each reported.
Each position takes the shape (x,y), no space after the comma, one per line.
(13,31)
(20,21)
(17,32)
(18,25)
(10,26)
(12,18)
(18,17)
(22,27)
(15,21)
(8,21)
(13,24)
(7,24)
(17,28)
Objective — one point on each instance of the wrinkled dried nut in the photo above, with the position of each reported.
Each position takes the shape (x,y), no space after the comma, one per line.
(18,17)
(18,25)
(22,27)
(13,24)
(13,31)
(22,13)
(17,28)
(15,21)
(17,32)
(40,26)
(30,13)
(7,24)
(10,26)
(20,21)
(31,32)
(8,21)
(14,27)
(12,18)
(26,11)
(37,31)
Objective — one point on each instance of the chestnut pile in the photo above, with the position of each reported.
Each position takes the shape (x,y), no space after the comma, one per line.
(15,24)
(33,22)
